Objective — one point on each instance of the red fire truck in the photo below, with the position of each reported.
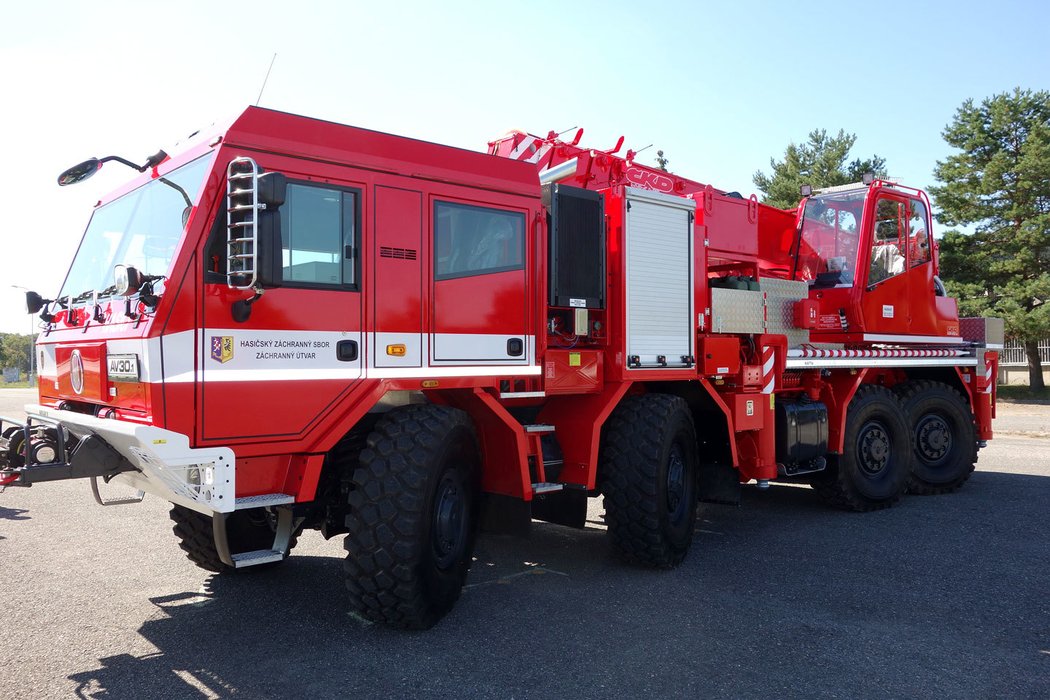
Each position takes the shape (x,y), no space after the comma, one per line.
(299,324)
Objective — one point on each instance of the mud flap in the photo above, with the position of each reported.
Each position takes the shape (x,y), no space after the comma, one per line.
(505,515)
(566,507)
(719,483)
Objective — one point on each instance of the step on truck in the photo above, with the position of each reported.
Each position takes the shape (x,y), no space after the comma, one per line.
(297,324)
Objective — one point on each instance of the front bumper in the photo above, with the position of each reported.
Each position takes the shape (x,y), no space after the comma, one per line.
(157,461)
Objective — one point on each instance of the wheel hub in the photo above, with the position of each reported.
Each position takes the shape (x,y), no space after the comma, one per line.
(933,438)
(449,518)
(675,482)
(873,448)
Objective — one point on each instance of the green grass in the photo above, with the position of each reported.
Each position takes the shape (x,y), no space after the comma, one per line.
(14,385)
(1023,393)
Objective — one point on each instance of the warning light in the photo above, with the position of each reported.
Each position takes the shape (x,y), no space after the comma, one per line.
(430,384)
(397,350)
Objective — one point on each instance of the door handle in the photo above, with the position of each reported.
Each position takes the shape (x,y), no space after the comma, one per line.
(346,351)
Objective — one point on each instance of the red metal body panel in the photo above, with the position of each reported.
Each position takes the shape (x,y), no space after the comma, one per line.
(398,256)
(579,420)
(732,225)
(572,372)
(748,413)
(719,354)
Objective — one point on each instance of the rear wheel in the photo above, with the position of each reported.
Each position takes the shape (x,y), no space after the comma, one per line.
(412,516)
(943,436)
(649,472)
(873,470)
(246,531)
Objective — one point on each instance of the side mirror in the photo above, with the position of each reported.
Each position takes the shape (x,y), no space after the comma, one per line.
(35,302)
(127,280)
(79,172)
(273,188)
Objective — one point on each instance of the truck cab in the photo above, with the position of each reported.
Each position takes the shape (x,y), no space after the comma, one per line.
(867,253)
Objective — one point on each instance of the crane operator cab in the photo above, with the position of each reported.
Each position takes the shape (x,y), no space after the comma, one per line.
(865,251)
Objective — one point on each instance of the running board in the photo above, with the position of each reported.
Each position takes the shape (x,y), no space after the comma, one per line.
(546,487)
(264,501)
(120,501)
(260,556)
(277,552)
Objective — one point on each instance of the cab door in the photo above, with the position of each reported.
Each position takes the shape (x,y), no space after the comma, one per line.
(479,314)
(276,374)
(887,295)
(922,294)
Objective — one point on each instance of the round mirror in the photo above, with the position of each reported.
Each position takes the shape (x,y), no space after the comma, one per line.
(127,280)
(79,172)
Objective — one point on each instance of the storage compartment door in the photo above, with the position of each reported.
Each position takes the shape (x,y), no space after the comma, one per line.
(659,270)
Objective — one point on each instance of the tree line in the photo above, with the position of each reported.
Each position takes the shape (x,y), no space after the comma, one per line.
(995,180)
(14,351)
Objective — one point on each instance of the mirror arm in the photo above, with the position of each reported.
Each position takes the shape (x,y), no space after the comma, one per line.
(241,310)
(140,168)
(178,188)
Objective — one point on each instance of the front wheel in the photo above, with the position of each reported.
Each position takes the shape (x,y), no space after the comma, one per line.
(649,471)
(412,516)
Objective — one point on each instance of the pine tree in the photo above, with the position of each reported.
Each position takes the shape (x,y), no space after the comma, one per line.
(999,183)
(821,162)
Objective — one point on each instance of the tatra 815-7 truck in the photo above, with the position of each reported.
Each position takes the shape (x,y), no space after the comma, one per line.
(299,324)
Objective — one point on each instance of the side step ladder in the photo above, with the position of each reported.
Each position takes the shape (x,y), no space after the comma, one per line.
(552,501)
(286,525)
(545,460)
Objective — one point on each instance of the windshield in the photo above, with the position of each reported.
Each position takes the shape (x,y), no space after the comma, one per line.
(827,247)
(141,229)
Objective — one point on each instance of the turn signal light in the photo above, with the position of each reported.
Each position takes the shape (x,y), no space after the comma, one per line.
(397,350)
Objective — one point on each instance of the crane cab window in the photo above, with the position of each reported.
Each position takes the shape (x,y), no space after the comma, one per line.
(918,234)
(887,258)
(470,240)
(826,252)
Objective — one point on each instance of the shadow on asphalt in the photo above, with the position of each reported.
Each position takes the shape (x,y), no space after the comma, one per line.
(939,596)
(12,514)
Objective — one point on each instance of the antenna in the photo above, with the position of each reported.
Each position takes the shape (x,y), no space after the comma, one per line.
(265,79)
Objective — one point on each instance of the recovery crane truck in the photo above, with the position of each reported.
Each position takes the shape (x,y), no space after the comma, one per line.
(299,324)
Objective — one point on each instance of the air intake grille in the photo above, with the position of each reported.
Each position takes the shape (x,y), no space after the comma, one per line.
(577,247)
(397,253)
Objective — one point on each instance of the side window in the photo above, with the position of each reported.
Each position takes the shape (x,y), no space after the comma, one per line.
(887,258)
(918,234)
(471,240)
(319,235)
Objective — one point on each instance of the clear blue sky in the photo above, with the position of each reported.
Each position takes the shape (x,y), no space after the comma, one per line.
(719,86)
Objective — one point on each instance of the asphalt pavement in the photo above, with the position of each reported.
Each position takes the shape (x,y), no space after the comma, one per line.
(942,596)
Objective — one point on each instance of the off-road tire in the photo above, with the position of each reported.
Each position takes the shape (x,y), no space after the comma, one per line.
(246,531)
(872,473)
(648,468)
(412,519)
(943,437)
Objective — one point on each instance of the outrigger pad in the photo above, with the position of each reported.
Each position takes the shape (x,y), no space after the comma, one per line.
(719,483)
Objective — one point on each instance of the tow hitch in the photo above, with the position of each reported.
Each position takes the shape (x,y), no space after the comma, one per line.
(41,449)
